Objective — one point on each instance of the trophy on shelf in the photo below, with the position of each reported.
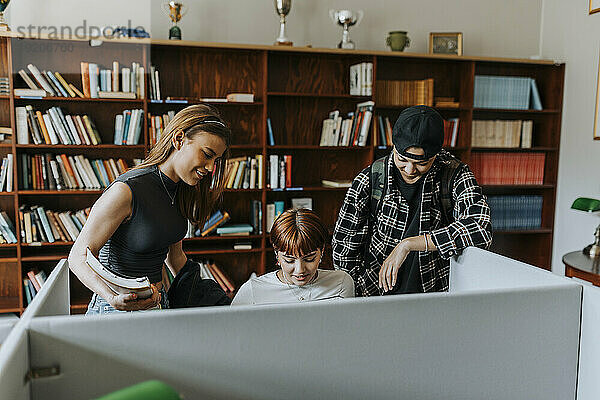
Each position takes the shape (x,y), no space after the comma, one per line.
(176,11)
(3,25)
(346,18)
(283,8)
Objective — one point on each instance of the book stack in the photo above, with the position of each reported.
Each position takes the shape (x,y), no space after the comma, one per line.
(509,168)
(32,284)
(361,79)
(507,92)
(235,230)
(45,83)
(279,171)
(405,93)
(502,133)
(64,172)
(209,270)
(6,173)
(5,134)
(4,86)
(446,102)
(154,83)
(217,219)
(516,212)
(450,132)
(383,131)
(41,225)
(112,83)
(352,131)
(128,127)
(7,229)
(336,183)
(244,172)
(273,211)
(54,127)
(158,123)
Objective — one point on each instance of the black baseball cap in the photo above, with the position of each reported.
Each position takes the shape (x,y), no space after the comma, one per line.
(419,126)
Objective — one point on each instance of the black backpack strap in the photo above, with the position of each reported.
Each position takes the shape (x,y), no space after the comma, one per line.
(448,172)
(377,182)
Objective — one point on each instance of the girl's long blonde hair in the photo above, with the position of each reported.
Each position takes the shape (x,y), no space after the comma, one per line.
(195,202)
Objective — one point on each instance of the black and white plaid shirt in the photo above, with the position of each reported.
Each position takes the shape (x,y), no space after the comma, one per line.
(471,227)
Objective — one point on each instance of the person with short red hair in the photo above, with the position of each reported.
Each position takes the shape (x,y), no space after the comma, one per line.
(298,238)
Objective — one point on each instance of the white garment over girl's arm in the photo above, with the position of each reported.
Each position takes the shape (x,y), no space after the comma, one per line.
(244,296)
(347,286)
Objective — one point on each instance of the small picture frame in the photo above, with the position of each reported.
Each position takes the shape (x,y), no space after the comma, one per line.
(446,43)
(594,6)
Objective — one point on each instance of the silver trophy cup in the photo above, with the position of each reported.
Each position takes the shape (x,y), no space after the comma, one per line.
(283,8)
(346,18)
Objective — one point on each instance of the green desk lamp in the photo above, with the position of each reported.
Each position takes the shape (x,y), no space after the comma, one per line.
(589,205)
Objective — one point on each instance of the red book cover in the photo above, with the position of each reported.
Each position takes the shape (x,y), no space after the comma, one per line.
(356,132)
(288,171)
(36,284)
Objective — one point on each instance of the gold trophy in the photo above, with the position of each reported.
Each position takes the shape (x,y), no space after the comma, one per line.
(3,25)
(175,11)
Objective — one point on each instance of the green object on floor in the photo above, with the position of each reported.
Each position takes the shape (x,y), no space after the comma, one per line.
(149,390)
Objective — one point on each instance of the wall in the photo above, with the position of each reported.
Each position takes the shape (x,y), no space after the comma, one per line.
(570,34)
(491,28)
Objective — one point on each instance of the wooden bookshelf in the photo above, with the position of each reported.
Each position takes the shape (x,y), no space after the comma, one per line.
(294,87)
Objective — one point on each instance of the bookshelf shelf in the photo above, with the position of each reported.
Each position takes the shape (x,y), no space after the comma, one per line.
(319,95)
(7,246)
(296,89)
(45,244)
(525,232)
(81,147)
(221,238)
(320,148)
(513,111)
(59,192)
(515,149)
(77,99)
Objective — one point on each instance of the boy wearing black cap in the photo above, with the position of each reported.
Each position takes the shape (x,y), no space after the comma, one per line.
(408,213)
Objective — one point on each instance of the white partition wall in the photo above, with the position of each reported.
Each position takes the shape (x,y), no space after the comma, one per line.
(478,269)
(588,387)
(506,344)
(52,299)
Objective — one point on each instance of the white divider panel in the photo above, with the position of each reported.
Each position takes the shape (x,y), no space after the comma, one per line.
(505,344)
(14,364)
(5,326)
(53,298)
(478,269)
(588,387)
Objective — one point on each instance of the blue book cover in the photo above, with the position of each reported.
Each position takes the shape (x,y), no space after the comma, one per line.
(213,218)
(126,125)
(270,131)
(279,208)
(235,228)
(536,102)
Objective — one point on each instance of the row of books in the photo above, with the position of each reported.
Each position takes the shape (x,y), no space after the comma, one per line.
(4,86)
(450,132)
(383,131)
(244,172)
(352,131)
(217,223)
(6,173)
(154,83)
(508,92)
(64,172)
(279,171)
(209,270)
(516,212)
(405,93)
(45,83)
(361,79)
(7,229)
(502,133)
(46,226)
(272,212)
(128,127)
(509,168)
(32,284)
(158,123)
(119,83)
(55,127)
